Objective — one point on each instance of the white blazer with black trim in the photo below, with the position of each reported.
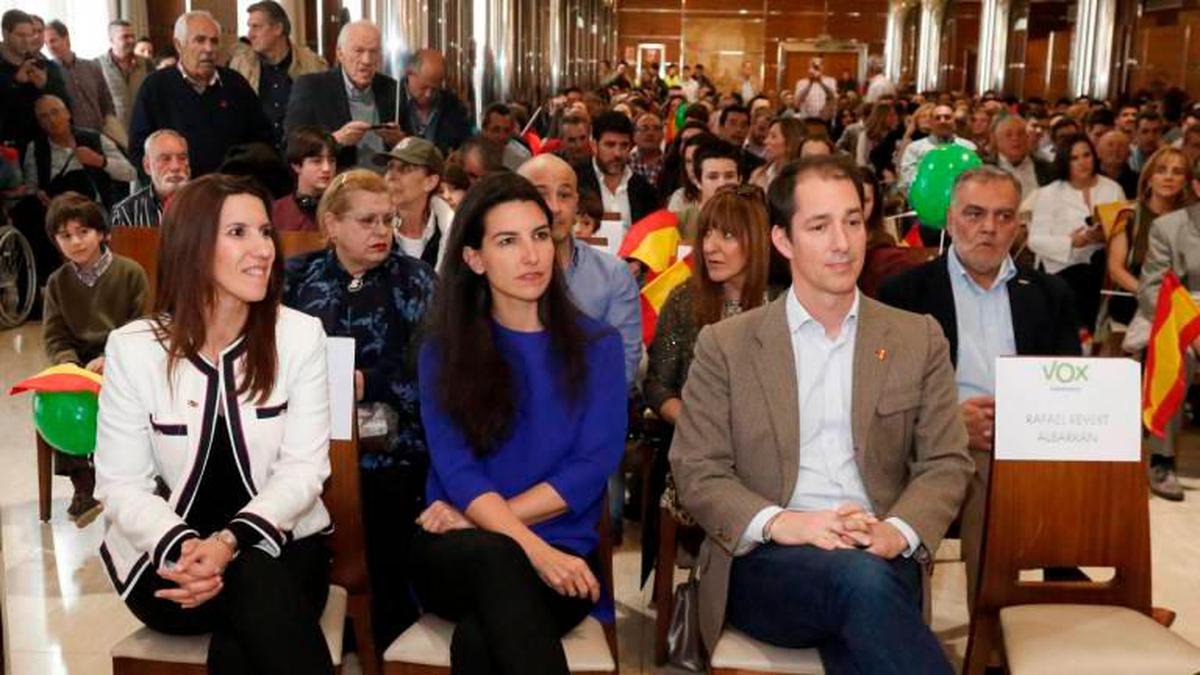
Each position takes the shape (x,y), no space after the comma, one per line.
(148,428)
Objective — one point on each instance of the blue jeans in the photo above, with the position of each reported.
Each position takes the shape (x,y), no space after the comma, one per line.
(863,613)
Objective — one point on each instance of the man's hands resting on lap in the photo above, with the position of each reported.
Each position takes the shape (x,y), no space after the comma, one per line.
(849,526)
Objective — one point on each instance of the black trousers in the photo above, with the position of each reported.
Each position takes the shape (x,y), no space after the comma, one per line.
(392,497)
(265,620)
(509,621)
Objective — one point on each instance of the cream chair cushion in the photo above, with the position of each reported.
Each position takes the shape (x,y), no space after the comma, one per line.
(427,643)
(1092,639)
(148,645)
(738,651)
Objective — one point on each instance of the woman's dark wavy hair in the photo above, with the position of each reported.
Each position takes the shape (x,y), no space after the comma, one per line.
(185,288)
(475,384)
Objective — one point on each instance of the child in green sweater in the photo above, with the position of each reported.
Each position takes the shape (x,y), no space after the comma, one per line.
(94,292)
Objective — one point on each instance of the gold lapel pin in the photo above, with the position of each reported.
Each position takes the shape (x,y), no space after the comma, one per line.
(193,404)
(881,354)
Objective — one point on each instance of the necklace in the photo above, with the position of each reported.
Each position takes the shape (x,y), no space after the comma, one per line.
(356,284)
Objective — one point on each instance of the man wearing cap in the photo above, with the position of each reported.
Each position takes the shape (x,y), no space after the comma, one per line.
(414,172)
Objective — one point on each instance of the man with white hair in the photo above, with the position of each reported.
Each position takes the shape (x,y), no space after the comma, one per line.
(165,160)
(878,84)
(354,101)
(213,107)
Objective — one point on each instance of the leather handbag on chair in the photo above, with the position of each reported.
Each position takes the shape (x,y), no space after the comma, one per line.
(684,646)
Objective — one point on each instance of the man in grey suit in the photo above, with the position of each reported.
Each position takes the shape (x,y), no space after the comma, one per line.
(825,490)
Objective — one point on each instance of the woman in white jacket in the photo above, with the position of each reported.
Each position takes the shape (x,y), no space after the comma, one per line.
(1063,234)
(213,444)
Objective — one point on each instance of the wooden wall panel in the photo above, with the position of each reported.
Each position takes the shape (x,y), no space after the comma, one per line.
(161,15)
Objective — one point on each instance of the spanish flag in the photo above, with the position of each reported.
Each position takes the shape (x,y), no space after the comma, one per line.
(654,294)
(63,377)
(654,241)
(1176,326)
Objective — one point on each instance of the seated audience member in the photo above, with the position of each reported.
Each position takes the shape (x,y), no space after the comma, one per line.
(575,132)
(1114,162)
(729,277)
(587,221)
(817,145)
(782,146)
(432,111)
(1012,153)
(414,173)
(884,259)
(715,164)
(93,293)
(942,132)
(124,70)
(362,287)
(353,101)
(1166,185)
(1063,234)
(165,160)
(454,185)
(498,129)
(508,543)
(734,128)
(211,106)
(599,283)
(1099,122)
(91,103)
(65,157)
(1189,142)
(1147,139)
(608,174)
(1174,246)
(646,158)
(678,180)
(987,307)
(479,158)
(273,62)
(238,547)
(807,547)
(312,154)
(760,125)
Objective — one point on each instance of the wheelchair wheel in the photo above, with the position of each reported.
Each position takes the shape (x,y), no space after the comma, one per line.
(18,277)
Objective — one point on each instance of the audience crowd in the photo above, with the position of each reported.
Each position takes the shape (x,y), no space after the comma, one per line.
(731,274)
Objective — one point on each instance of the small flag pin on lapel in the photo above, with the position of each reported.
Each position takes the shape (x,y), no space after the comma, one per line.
(193,404)
(881,354)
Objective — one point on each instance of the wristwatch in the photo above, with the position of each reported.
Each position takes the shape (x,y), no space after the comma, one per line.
(228,538)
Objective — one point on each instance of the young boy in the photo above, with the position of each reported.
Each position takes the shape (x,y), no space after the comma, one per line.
(312,154)
(94,292)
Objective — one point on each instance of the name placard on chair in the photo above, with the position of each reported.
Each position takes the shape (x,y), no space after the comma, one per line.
(1068,409)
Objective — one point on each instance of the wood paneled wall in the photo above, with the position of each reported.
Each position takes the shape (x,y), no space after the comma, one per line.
(726,32)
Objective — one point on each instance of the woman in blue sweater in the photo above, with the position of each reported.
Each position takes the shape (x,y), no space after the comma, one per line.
(523,402)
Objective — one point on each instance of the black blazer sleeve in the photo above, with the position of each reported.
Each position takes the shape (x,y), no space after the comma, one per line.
(304,102)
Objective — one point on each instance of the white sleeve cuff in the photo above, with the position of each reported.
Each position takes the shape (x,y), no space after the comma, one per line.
(910,535)
(753,536)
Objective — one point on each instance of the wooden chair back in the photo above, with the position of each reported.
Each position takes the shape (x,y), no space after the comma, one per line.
(141,245)
(1061,514)
(294,242)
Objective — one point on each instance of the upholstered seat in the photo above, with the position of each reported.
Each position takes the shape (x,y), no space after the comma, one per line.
(427,643)
(1092,639)
(148,645)
(738,652)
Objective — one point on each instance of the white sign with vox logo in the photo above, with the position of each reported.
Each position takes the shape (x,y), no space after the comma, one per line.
(1068,409)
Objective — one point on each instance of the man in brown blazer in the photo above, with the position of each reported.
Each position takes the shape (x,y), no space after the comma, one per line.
(829,484)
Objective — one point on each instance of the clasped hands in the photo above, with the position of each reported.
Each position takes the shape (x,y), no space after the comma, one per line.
(848,526)
(567,574)
(198,574)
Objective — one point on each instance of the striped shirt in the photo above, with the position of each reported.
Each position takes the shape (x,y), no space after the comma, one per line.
(140,209)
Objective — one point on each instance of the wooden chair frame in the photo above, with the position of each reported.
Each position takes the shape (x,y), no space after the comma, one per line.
(1060,514)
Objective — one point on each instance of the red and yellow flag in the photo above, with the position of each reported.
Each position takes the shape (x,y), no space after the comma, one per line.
(654,294)
(1176,326)
(654,241)
(63,377)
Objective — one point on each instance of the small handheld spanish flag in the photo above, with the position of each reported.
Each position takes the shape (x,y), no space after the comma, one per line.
(1176,326)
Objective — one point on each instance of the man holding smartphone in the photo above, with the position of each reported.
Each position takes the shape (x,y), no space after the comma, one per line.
(816,94)
(24,78)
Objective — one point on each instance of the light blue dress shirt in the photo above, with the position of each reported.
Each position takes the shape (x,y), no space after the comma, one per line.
(604,289)
(828,475)
(985,327)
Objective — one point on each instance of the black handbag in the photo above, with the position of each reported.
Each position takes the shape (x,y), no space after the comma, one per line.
(685,649)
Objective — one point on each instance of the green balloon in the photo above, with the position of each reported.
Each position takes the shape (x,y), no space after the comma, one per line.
(929,194)
(67,420)
(680,117)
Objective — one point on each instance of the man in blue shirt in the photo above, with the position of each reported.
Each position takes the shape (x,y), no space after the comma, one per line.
(600,284)
(987,308)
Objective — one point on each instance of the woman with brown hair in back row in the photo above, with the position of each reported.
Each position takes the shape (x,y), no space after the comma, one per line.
(222,396)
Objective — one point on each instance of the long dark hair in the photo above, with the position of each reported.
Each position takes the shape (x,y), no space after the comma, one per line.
(185,290)
(475,384)
(1062,156)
